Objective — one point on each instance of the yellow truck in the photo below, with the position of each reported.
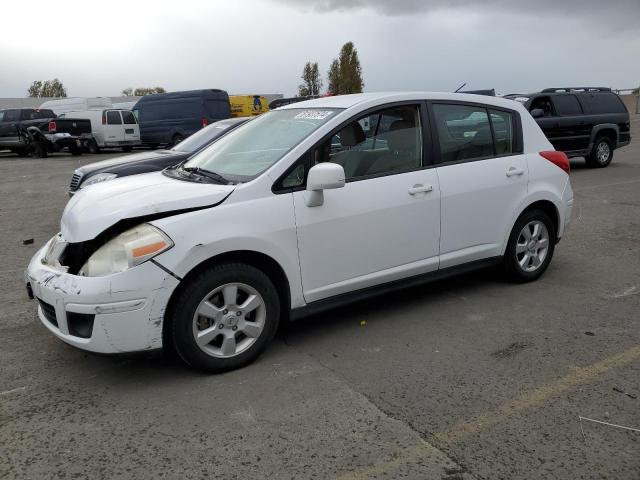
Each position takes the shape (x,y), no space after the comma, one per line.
(247,105)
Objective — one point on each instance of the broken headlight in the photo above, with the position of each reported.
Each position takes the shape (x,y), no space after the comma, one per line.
(127,250)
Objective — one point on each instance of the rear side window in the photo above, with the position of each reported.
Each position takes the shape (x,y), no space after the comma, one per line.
(502,123)
(464,132)
(217,108)
(128,117)
(603,103)
(567,105)
(11,115)
(113,118)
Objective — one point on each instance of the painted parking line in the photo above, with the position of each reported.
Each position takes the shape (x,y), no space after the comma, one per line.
(534,398)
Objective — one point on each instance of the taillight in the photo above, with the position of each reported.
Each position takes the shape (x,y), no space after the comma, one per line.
(205,122)
(104,119)
(52,127)
(557,158)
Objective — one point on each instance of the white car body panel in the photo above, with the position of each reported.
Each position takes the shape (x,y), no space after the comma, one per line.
(97,207)
(366,233)
(345,244)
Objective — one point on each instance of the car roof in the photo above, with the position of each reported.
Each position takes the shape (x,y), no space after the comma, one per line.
(347,101)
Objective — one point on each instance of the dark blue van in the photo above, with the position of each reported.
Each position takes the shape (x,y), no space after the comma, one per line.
(169,118)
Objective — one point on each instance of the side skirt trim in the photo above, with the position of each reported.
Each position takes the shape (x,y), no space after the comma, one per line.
(339,300)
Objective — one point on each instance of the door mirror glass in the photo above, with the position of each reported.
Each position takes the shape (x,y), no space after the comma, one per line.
(537,113)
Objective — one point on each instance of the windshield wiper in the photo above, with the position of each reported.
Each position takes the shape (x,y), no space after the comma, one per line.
(206,173)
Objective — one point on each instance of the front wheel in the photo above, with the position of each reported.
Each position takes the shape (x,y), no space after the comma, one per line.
(177,138)
(531,246)
(92,147)
(601,154)
(75,150)
(224,317)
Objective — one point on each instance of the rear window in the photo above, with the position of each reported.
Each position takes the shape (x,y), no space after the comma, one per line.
(567,105)
(113,118)
(603,103)
(128,117)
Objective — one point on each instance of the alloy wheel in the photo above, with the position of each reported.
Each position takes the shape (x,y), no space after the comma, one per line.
(603,151)
(229,320)
(532,246)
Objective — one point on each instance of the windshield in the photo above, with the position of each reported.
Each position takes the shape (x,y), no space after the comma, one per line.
(203,137)
(248,151)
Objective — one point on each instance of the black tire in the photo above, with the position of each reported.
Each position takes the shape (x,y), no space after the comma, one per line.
(601,153)
(181,321)
(177,138)
(513,258)
(75,150)
(127,149)
(37,150)
(92,147)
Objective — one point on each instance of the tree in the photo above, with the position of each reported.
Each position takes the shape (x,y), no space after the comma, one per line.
(141,92)
(312,81)
(48,88)
(127,92)
(345,72)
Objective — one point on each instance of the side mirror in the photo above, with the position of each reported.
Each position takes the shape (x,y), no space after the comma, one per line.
(537,113)
(323,176)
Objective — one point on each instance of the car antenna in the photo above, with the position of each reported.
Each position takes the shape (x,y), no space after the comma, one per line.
(460,87)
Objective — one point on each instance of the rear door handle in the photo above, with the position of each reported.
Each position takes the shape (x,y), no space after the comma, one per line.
(513,171)
(419,188)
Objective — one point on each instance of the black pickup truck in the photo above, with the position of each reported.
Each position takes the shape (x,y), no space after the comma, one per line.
(589,122)
(28,131)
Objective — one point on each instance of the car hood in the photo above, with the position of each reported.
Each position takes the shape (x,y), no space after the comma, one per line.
(136,157)
(97,207)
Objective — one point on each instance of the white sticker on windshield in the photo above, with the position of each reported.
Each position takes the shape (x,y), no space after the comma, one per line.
(313,115)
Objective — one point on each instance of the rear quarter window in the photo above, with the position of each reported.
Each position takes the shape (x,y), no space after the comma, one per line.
(599,103)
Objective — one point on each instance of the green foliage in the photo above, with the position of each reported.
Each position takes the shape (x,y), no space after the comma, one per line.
(345,72)
(48,88)
(312,83)
(141,91)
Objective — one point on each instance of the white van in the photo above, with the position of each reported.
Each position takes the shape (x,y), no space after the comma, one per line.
(75,104)
(110,128)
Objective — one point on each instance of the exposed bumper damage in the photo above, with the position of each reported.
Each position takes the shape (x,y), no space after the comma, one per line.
(111,314)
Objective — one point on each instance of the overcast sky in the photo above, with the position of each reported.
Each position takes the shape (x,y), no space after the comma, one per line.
(260,46)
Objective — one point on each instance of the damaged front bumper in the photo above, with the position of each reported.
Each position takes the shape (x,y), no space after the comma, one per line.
(117,313)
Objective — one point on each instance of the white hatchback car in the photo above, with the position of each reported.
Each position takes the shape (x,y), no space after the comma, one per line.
(307,207)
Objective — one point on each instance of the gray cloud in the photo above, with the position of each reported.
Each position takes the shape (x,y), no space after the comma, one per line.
(611,14)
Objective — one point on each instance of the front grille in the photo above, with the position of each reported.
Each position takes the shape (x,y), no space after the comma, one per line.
(49,312)
(75,181)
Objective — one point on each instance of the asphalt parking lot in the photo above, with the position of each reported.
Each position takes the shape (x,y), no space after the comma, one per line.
(470,378)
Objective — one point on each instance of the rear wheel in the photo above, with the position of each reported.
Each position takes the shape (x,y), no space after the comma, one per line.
(601,154)
(177,138)
(75,150)
(92,147)
(37,150)
(531,246)
(224,317)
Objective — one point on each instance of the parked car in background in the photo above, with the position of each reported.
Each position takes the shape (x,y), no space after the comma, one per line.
(39,132)
(169,118)
(588,122)
(247,105)
(151,161)
(110,128)
(268,224)
(69,104)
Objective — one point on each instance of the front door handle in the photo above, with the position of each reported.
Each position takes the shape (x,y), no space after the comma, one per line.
(419,188)
(513,171)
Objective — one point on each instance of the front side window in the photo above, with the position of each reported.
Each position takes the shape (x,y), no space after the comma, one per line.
(385,142)
(250,149)
(113,118)
(567,105)
(464,132)
(544,104)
